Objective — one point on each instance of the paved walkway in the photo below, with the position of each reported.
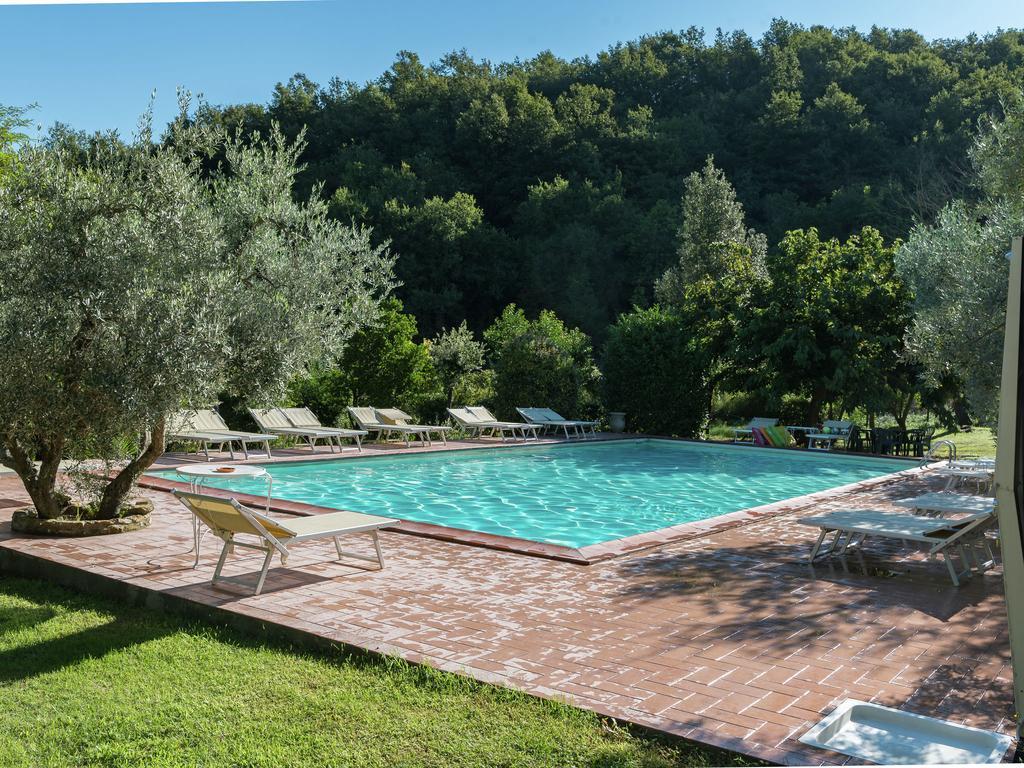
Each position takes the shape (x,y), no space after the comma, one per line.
(729,638)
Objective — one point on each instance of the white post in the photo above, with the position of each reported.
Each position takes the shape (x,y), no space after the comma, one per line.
(1009,475)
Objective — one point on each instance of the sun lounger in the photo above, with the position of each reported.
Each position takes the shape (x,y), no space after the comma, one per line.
(982,477)
(748,430)
(301,423)
(228,519)
(831,433)
(206,427)
(945,503)
(941,535)
(481,412)
(401,418)
(369,420)
(546,419)
(476,423)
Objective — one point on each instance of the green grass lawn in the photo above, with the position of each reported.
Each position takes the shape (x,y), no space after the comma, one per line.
(85,681)
(978,442)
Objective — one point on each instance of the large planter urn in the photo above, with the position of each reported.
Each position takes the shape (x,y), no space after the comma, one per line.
(617,421)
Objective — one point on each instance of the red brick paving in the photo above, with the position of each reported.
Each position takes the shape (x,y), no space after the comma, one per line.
(727,638)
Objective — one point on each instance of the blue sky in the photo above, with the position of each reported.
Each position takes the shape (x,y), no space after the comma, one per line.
(94,66)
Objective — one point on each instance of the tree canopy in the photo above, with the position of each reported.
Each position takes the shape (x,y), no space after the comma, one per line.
(555,184)
(134,282)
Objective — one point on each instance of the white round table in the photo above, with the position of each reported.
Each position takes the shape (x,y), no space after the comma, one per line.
(198,475)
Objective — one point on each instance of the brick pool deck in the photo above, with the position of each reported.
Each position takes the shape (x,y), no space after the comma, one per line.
(727,637)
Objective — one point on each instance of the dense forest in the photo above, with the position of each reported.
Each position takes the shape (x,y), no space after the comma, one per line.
(556,184)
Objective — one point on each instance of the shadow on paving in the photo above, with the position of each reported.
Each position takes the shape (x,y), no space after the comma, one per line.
(770,597)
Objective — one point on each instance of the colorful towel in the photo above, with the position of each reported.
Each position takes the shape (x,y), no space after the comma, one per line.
(773,437)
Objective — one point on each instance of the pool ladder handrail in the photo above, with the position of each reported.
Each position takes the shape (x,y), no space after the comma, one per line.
(931,456)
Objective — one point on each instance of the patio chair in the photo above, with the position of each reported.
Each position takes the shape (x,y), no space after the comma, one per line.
(402,419)
(369,420)
(206,427)
(545,419)
(278,421)
(228,519)
(942,535)
(832,431)
(748,430)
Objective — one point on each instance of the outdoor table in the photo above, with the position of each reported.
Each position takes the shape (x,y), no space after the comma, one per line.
(198,474)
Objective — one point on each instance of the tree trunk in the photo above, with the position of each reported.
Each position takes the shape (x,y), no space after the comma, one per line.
(121,485)
(40,482)
(814,406)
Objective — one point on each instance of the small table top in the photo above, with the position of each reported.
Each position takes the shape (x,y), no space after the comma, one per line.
(221,470)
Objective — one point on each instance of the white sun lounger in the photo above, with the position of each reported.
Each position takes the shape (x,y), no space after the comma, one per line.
(401,418)
(480,412)
(477,425)
(229,519)
(824,441)
(945,503)
(369,420)
(206,427)
(748,430)
(942,535)
(282,421)
(982,477)
(549,419)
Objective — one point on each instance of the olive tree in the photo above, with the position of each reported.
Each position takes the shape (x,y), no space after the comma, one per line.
(137,278)
(957,268)
(456,354)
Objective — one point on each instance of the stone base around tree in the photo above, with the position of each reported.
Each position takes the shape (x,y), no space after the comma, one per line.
(136,517)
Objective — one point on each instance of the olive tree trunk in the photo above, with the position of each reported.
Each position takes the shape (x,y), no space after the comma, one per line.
(40,480)
(117,490)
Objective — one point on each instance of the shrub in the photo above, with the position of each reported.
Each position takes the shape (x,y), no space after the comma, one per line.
(655,371)
(381,366)
(541,363)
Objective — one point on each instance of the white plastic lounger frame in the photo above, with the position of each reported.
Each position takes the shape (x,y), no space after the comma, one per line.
(946,503)
(475,427)
(206,427)
(965,534)
(748,430)
(480,412)
(277,421)
(476,423)
(549,419)
(368,420)
(402,419)
(823,441)
(229,519)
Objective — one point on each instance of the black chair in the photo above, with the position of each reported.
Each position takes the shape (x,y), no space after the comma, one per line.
(920,441)
(887,441)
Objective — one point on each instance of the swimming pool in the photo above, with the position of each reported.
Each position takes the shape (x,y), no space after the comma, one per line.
(571,495)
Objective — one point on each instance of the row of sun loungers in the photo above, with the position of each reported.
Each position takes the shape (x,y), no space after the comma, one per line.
(206,427)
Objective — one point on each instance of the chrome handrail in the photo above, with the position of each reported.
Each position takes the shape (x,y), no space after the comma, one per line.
(931,456)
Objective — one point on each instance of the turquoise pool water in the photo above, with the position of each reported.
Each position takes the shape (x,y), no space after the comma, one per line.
(568,494)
